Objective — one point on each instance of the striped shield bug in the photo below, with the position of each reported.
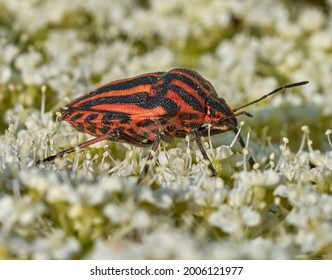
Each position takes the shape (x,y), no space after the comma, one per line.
(154,107)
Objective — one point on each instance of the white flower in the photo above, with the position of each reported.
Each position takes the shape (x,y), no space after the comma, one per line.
(91,194)
(250,217)
(232,220)
(266,178)
(316,17)
(223,152)
(314,240)
(212,192)
(168,243)
(281,190)
(239,196)
(118,214)
(140,219)
(55,246)
(321,40)
(146,195)
(62,192)
(5,74)
(33,180)
(21,212)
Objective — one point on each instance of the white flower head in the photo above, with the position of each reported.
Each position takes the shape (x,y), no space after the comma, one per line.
(233,220)
(267,178)
(55,246)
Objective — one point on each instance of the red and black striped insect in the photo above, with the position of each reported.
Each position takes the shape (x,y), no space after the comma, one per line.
(154,107)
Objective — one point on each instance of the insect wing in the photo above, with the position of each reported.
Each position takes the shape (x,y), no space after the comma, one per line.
(120,105)
(131,90)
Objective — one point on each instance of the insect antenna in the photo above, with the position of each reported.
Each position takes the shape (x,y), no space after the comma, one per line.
(243,113)
(271,93)
(239,138)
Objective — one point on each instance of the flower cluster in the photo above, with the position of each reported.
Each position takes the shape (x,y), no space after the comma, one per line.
(88,205)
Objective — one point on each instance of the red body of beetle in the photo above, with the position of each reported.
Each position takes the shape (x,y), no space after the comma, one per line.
(149,108)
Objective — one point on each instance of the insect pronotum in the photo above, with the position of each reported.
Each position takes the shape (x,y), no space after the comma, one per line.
(154,107)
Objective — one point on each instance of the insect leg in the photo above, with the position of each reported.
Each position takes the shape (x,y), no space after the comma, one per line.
(196,137)
(150,157)
(243,145)
(113,135)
